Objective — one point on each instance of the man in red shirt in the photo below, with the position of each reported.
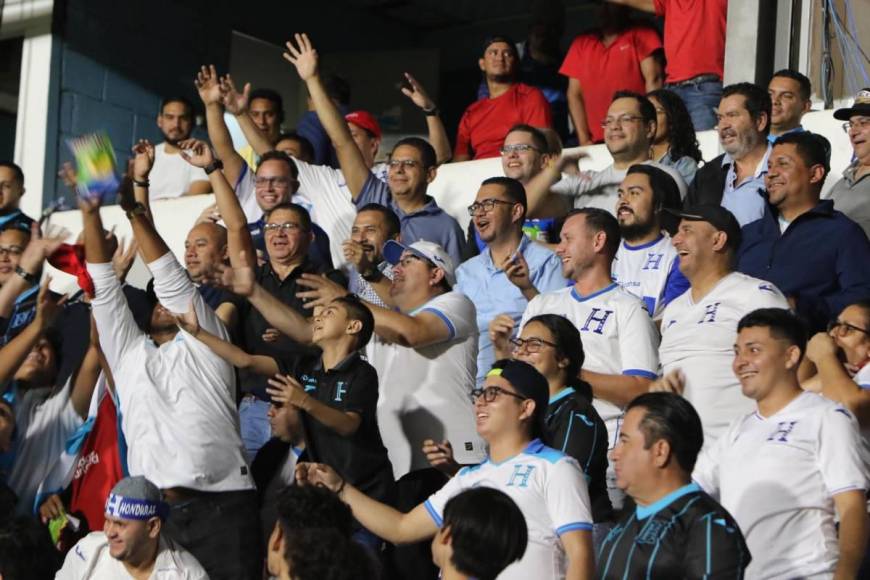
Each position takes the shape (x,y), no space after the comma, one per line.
(695,51)
(485,123)
(618,57)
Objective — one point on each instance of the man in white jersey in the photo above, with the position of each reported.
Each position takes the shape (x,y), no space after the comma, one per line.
(698,327)
(171,175)
(131,544)
(619,338)
(547,485)
(646,263)
(177,402)
(791,469)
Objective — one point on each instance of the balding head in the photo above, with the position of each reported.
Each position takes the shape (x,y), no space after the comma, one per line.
(204,248)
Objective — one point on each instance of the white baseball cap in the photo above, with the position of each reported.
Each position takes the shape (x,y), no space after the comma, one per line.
(430,251)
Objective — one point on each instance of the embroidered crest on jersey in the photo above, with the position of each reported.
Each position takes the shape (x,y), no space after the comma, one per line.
(309,382)
(653,261)
(783,430)
(710,313)
(340,391)
(596,321)
(650,532)
(520,476)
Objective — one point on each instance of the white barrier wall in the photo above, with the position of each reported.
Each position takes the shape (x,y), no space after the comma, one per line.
(454,188)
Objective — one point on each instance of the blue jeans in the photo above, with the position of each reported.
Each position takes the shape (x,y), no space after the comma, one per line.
(701,100)
(254,425)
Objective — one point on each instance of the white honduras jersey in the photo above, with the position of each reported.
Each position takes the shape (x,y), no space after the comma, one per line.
(549,488)
(619,338)
(644,271)
(777,476)
(698,338)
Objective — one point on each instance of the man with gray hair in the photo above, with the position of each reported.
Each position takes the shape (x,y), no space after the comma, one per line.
(131,545)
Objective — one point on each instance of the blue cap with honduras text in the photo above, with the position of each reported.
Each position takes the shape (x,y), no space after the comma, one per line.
(136,498)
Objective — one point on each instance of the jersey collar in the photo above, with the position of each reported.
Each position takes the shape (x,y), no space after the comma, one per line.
(654,508)
(631,248)
(580,298)
(566,392)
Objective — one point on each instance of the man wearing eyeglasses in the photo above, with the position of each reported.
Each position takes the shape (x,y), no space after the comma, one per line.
(851,194)
(628,131)
(816,255)
(512,270)
(547,485)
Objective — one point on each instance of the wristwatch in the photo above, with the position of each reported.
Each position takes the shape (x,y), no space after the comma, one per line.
(433,112)
(144,183)
(214,166)
(28,277)
(138,209)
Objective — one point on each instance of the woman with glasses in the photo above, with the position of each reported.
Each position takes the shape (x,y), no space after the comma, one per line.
(842,359)
(675,143)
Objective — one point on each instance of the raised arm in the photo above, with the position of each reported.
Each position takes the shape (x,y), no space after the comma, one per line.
(14,353)
(236,104)
(303,56)
(437,133)
(143,161)
(379,518)
(835,382)
(538,188)
(199,154)
(209,88)
(38,249)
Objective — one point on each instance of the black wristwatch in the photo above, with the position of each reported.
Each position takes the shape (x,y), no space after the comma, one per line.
(214,166)
(28,277)
(138,209)
(138,183)
(433,112)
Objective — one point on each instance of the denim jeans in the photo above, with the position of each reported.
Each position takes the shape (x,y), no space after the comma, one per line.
(254,425)
(701,100)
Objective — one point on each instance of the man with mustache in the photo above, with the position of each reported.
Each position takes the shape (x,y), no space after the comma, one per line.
(172,176)
(369,275)
(851,194)
(735,179)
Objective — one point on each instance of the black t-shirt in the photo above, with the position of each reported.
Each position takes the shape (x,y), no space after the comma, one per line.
(686,534)
(575,428)
(351,386)
(254,325)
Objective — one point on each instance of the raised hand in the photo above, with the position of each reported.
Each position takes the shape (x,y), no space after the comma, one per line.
(67,174)
(287,391)
(303,56)
(501,328)
(210,214)
(517,271)
(41,247)
(239,280)
(322,290)
(196,152)
(208,85)
(234,102)
(418,94)
(143,159)
(820,346)
(318,474)
(357,254)
(123,258)
(188,321)
(47,308)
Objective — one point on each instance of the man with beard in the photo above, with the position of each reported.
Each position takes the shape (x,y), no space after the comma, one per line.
(735,179)
(171,176)
(369,275)
(629,128)
(646,263)
(790,100)
(511,271)
(485,123)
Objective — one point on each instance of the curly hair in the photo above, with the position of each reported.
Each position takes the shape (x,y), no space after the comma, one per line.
(326,554)
(681,131)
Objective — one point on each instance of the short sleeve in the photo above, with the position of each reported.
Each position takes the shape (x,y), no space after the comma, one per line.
(839,452)
(568,497)
(715,549)
(647,41)
(246,193)
(661,7)
(457,312)
(362,393)
(706,473)
(536,109)
(534,308)
(676,285)
(638,343)
(463,137)
(374,191)
(766,295)
(572,66)
(438,500)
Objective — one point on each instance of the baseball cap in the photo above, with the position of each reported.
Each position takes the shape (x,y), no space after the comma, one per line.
(431,251)
(861,106)
(136,498)
(528,382)
(715,215)
(365,120)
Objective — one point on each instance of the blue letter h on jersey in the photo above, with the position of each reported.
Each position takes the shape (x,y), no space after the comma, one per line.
(653,261)
(782,431)
(521,473)
(596,316)
(710,313)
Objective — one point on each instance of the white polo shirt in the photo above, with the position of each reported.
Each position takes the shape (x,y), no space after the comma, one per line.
(325,188)
(619,338)
(645,271)
(698,338)
(43,423)
(549,488)
(425,393)
(177,401)
(90,559)
(777,476)
(171,175)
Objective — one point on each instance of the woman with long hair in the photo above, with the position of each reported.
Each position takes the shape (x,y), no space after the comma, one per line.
(674,143)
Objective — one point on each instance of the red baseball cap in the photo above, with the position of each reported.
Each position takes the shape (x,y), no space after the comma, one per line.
(365,120)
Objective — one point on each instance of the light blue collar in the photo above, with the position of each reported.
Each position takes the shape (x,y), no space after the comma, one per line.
(655,507)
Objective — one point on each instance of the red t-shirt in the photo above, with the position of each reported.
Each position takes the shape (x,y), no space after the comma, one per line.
(603,70)
(694,37)
(485,123)
(98,468)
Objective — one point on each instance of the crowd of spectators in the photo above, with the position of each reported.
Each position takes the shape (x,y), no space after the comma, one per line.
(660,369)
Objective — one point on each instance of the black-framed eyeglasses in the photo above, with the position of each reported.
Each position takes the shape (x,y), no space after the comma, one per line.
(620,121)
(532,345)
(858,123)
(11,250)
(487,205)
(837,325)
(490,394)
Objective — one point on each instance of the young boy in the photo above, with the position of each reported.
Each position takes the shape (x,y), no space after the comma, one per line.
(336,393)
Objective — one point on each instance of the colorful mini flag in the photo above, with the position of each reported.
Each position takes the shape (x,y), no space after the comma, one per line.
(95,165)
